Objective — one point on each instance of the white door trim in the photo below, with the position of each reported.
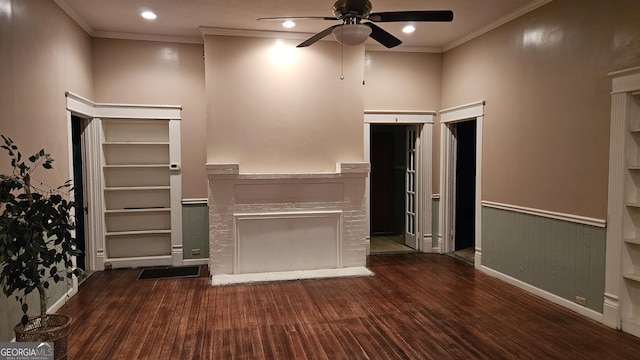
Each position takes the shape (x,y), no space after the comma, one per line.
(448,117)
(94,227)
(424,149)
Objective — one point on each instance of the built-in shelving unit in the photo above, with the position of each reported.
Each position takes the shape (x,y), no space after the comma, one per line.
(630,256)
(622,278)
(139,206)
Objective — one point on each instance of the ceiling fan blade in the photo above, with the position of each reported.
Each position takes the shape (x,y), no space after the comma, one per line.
(282,18)
(356,5)
(428,15)
(318,36)
(382,36)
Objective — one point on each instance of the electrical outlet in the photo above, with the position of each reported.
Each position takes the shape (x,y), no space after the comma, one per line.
(581,301)
(195,251)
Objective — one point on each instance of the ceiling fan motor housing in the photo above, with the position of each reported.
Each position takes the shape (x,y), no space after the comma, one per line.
(341,11)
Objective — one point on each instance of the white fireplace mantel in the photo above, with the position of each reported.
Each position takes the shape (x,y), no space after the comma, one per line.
(267,227)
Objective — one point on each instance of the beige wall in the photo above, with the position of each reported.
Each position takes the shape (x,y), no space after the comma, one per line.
(43,53)
(544,79)
(402,81)
(274,108)
(148,72)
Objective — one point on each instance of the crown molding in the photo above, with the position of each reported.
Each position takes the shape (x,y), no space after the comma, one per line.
(75,16)
(148,37)
(254,33)
(406,49)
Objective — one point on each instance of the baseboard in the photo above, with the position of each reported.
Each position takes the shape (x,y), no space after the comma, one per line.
(427,244)
(591,314)
(63,300)
(190,262)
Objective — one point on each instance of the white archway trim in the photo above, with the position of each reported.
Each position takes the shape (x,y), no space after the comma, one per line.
(448,117)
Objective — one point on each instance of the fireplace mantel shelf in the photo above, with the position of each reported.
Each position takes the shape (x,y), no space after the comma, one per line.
(226,171)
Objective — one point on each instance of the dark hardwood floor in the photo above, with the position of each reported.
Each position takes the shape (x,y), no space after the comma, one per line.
(417,306)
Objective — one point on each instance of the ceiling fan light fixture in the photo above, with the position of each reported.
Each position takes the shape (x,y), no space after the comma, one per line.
(351,34)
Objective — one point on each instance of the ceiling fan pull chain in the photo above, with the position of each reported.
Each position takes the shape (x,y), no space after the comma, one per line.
(342,59)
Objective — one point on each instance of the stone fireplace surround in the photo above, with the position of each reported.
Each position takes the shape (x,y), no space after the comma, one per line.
(268,227)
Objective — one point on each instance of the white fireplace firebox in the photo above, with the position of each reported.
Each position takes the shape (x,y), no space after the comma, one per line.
(268,227)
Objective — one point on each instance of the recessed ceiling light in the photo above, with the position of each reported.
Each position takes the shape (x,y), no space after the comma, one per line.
(289,24)
(149,15)
(408,29)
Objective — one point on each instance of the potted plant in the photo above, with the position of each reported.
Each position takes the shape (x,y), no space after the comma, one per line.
(37,244)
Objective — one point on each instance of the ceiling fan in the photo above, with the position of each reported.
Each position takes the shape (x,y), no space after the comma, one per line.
(353,31)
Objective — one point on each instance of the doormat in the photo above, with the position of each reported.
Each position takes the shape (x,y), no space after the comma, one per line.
(169,272)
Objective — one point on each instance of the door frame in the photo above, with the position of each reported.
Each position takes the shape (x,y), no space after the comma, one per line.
(94,233)
(424,168)
(448,118)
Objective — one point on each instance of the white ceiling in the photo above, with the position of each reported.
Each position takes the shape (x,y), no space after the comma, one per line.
(186,20)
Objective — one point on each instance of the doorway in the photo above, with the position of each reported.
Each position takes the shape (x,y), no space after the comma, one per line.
(393,183)
(78,125)
(461,124)
(465,191)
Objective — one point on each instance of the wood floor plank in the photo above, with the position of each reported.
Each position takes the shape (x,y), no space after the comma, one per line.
(416,306)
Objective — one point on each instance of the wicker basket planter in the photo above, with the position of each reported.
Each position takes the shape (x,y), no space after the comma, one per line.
(57,332)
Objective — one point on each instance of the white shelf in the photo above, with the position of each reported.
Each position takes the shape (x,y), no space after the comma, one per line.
(138,232)
(161,257)
(632,241)
(141,261)
(632,277)
(137,143)
(144,166)
(141,188)
(141,210)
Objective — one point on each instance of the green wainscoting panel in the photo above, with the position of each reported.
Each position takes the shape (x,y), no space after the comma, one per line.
(564,258)
(195,230)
